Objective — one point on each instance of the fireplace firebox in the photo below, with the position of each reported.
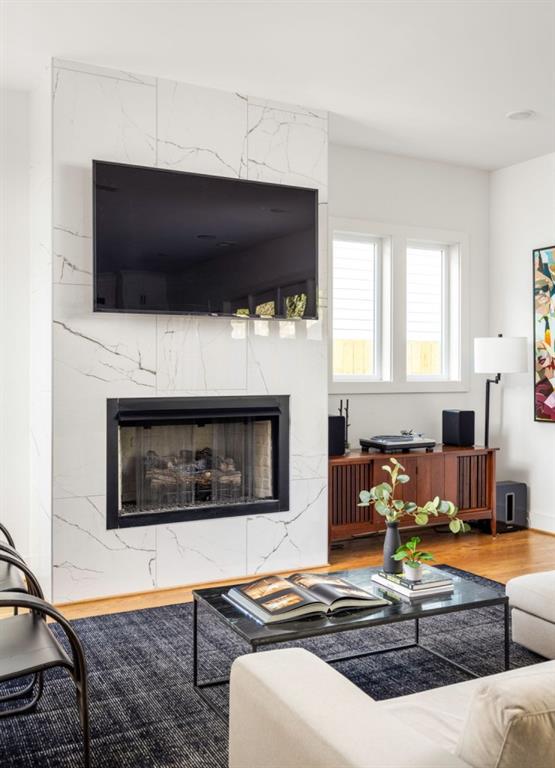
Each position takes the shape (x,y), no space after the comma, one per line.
(191,458)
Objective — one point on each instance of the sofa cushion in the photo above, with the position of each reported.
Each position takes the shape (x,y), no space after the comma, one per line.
(511,721)
(534,593)
(438,713)
(536,634)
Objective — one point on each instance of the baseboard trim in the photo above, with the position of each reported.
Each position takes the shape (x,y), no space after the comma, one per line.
(541,530)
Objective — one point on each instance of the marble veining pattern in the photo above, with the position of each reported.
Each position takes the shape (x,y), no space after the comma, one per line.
(287,147)
(190,135)
(118,116)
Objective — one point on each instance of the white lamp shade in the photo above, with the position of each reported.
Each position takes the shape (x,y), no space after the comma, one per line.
(500,354)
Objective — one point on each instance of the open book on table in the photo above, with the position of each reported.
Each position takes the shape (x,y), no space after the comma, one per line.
(276,598)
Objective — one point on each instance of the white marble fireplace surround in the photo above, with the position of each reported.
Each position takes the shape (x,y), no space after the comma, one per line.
(117,116)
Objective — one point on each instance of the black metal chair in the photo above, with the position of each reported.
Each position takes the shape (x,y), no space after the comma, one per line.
(29,647)
(7,535)
(13,579)
(16,576)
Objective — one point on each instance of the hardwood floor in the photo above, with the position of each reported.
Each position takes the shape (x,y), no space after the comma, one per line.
(499,558)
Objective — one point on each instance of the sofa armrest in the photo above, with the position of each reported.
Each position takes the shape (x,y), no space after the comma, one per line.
(289,709)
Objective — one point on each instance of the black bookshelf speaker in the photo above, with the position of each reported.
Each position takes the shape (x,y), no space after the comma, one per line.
(336,435)
(512,505)
(458,428)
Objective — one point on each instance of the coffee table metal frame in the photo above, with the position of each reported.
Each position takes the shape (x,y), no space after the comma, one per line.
(202,597)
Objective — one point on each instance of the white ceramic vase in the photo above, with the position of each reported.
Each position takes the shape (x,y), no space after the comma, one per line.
(412,573)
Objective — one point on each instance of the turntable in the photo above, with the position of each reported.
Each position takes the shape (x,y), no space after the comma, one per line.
(403,443)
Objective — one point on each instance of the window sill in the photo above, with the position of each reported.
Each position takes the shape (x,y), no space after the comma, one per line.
(395,388)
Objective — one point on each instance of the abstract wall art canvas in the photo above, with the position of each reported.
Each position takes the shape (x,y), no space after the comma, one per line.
(544,334)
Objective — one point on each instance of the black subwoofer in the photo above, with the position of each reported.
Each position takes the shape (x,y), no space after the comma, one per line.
(512,505)
(458,428)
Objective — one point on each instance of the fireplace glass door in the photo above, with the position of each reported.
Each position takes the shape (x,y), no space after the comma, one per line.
(215,462)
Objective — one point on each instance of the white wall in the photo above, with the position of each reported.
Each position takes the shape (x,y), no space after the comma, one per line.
(14,317)
(406,191)
(522,218)
(40,327)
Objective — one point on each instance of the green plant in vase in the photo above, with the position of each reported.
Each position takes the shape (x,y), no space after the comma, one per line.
(412,558)
(385,501)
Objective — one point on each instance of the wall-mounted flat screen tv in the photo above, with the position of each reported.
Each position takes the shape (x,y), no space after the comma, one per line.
(183,243)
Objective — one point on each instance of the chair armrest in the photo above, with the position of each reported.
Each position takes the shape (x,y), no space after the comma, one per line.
(32,603)
(289,709)
(39,605)
(7,535)
(17,562)
(9,549)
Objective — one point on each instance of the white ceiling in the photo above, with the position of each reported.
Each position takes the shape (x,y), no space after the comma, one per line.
(431,79)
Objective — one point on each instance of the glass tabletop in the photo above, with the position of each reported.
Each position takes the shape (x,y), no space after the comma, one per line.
(466,595)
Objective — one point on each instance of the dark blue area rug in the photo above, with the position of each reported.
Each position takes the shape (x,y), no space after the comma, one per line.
(145,713)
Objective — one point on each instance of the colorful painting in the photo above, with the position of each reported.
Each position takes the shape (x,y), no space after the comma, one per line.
(544,334)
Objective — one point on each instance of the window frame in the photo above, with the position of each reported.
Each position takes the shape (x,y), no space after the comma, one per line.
(447,257)
(394,241)
(377,345)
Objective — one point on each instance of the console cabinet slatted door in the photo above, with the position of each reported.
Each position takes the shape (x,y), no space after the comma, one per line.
(346,518)
(465,476)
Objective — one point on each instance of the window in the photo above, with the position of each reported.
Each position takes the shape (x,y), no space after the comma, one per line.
(396,309)
(427,267)
(356,326)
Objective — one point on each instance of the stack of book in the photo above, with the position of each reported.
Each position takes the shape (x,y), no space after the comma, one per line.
(433,582)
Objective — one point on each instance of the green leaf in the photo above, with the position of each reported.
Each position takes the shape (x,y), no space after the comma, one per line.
(386,468)
(410,507)
(381,508)
(466,528)
(399,504)
(426,556)
(393,461)
(444,507)
(403,479)
(421,518)
(455,525)
(365,497)
(435,502)
(398,556)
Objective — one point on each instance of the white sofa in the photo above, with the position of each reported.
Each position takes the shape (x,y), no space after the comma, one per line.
(289,709)
(532,601)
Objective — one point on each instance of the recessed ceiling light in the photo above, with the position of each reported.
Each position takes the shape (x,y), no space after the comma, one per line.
(522,114)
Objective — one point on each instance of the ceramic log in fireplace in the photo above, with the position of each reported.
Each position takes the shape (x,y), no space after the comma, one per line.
(174,459)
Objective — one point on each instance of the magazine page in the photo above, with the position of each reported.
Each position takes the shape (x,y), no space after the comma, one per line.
(277,595)
(327,589)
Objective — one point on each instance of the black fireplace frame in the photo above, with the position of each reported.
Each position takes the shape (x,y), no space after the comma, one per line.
(174,410)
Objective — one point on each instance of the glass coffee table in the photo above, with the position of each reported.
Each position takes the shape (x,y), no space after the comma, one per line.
(466,596)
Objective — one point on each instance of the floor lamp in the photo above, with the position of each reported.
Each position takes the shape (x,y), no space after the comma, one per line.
(499,354)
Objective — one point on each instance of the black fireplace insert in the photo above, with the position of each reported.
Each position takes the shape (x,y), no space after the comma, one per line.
(171,459)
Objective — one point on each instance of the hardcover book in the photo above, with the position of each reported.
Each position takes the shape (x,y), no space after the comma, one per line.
(412,594)
(276,598)
(431,577)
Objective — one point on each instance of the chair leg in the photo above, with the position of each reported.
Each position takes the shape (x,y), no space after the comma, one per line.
(31,705)
(83,704)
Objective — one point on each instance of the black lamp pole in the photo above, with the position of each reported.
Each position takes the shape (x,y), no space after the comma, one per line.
(488,382)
